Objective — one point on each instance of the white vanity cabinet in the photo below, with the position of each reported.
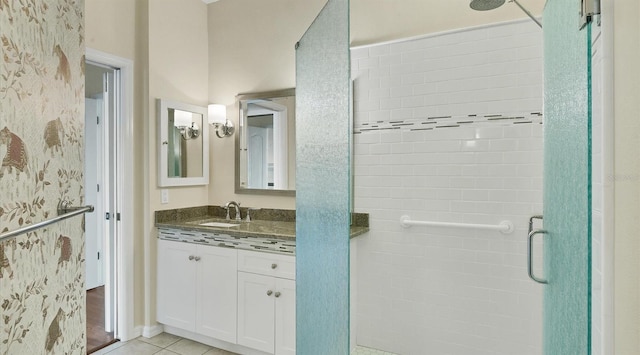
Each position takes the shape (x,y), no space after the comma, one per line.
(197,288)
(266,302)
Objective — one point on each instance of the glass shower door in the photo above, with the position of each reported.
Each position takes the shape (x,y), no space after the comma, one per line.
(323,132)
(567,180)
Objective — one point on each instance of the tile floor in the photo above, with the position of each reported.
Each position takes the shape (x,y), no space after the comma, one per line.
(161,344)
(361,350)
(168,344)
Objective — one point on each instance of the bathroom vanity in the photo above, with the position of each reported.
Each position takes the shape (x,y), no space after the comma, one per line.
(227,283)
(236,295)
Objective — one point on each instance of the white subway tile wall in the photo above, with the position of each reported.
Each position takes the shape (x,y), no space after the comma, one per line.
(449,128)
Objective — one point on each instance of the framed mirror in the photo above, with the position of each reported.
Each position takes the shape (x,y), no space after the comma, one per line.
(265,143)
(183,144)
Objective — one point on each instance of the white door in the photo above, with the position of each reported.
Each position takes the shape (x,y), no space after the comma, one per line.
(285,317)
(94,242)
(217,289)
(177,284)
(257,158)
(256,311)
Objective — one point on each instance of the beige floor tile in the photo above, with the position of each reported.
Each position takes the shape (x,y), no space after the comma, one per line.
(361,350)
(135,347)
(189,347)
(101,351)
(165,352)
(109,348)
(162,340)
(219,352)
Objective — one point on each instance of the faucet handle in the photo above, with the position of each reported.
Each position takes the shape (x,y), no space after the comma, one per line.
(226,209)
(249,212)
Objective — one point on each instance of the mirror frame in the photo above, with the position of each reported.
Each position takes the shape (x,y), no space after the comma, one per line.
(253,96)
(162,112)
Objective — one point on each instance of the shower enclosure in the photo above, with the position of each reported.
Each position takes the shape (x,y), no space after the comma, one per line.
(462,143)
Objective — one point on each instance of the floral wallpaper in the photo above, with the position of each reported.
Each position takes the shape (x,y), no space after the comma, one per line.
(42,296)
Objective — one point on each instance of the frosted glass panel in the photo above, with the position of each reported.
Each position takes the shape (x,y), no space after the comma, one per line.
(322,183)
(567,180)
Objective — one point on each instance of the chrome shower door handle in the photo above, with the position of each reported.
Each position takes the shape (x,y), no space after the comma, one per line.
(531,222)
(530,258)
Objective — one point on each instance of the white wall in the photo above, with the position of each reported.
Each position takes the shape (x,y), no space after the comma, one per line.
(251,50)
(449,290)
(177,70)
(624,15)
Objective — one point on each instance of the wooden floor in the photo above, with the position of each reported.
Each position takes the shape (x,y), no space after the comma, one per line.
(97,337)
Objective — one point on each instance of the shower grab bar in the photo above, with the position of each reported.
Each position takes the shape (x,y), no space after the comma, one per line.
(530,258)
(64,211)
(504,227)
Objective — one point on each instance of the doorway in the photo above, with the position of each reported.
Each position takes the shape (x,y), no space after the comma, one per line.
(119,250)
(101,102)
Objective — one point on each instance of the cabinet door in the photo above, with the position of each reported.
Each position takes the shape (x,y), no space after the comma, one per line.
(176,284)
(256,311)
(285,317)
(217,292)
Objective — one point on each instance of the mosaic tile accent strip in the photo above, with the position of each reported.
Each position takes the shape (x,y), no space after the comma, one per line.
(227,241)
(441,122)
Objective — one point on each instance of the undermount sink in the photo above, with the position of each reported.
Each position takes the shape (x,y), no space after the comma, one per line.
(219,224)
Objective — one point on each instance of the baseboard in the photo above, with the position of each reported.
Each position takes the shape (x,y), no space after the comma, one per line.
(151,331)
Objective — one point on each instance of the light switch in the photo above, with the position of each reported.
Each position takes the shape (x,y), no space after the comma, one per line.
(164,196)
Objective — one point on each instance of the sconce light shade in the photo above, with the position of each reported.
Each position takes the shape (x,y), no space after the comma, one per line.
(218,119)
(217,114)
(181,118)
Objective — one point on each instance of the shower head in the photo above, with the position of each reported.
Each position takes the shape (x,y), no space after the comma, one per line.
(485,5)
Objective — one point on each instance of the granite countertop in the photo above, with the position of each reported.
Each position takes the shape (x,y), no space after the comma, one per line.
(265,223)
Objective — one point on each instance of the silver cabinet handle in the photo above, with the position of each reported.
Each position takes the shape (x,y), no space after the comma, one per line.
(529,256)
(273,266)
(191,257)
(277,294)
(197,258)
(269,293)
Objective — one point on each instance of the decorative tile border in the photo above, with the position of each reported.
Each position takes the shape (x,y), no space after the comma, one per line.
(265,214)
(226,241)
(440,122)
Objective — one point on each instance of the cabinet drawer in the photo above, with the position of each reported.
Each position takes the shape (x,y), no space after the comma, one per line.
(283,266)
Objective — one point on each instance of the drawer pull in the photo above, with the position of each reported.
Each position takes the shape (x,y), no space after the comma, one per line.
(273,266)
(191,257)
(197,258)
(269,293)
(277,294)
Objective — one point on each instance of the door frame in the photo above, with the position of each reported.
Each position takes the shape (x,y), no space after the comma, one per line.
(124,241)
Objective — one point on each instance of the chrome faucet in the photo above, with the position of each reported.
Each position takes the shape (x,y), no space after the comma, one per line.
(237,206)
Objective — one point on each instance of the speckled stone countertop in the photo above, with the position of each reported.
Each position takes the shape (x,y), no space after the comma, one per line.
(265,223)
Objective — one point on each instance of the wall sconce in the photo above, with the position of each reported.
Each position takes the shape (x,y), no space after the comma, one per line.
(218,119)
(182,120)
